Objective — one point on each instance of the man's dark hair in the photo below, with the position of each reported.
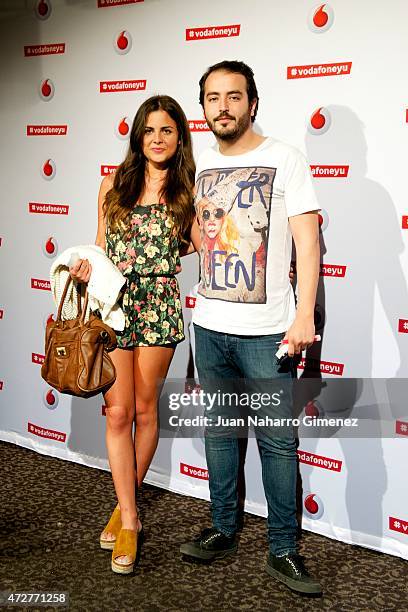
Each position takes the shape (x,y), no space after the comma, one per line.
(237,67)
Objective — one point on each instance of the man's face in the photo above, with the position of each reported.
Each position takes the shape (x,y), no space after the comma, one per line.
(226,105)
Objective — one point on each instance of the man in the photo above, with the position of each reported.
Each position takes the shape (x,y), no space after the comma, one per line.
(253,194)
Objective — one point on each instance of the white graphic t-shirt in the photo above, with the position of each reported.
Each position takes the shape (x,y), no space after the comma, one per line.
(243,203)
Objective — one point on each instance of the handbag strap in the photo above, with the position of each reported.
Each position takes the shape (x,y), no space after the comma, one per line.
(81,311)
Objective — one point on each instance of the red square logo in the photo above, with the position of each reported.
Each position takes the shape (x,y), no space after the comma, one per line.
(190,301)
(403,326)
(401,428)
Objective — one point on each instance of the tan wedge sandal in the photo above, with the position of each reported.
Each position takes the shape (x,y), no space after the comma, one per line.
(114,526)
(125,545)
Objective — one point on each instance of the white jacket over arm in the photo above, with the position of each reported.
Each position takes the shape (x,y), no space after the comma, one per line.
(104,285)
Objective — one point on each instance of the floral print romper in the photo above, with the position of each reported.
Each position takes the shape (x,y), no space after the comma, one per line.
(149,260)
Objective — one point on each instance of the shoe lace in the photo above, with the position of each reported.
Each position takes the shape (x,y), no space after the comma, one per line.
(209,537)
(295,561)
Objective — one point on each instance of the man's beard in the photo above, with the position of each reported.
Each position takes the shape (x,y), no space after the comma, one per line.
(229,134)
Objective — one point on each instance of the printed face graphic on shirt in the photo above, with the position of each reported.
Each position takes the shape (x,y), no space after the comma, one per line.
(233,209)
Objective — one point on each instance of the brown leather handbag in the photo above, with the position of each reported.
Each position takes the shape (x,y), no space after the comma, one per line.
(76,353)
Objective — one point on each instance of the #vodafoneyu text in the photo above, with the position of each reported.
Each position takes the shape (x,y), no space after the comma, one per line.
(318,70)
(51,49)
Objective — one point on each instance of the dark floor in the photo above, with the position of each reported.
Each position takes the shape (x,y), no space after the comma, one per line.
(52,512)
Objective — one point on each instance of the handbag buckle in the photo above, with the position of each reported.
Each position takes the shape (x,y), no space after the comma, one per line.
(61,351)
(104,336)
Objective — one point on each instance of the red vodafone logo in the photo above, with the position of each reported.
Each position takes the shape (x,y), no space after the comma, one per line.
(51,49)
(37,358)
(47,130)
(401,428)
(404,223)
(191,387)
(329,171)
(43,9)
(48,169)
(193,472)
(190,301)
(44,432)
(122,128)
(319,121)
(323,218)
(50,247)
(403,326)
(50,398)
(47,209)
(396,524)
(198,125)
(333,270)
(327,463)
(46,90)
(108,3)
(1,314)
(106,170)
(313,408)
(38,283)
(325,367)
(213,32)
(321,18)
(318,70)
(122,42)
(115,86)
(312,506)
(1,385)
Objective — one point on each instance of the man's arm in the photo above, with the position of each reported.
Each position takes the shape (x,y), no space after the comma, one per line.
(305,232)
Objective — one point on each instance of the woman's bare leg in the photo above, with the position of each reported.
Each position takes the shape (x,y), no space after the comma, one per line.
(149,367)
(120,414)
(151,364)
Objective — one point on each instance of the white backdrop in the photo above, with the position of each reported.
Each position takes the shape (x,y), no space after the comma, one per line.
(330,82)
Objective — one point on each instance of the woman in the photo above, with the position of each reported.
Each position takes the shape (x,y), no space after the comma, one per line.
(145,214)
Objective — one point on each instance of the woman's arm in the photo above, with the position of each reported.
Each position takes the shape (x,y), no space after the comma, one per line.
(81,270)
(106,185)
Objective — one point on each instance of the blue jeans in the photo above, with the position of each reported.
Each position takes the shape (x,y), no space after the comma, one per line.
(229,359)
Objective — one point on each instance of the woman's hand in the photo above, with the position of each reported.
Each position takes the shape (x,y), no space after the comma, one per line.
(81,271)
(292,271)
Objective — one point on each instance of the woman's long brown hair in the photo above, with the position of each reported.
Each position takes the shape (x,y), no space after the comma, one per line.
(129,181)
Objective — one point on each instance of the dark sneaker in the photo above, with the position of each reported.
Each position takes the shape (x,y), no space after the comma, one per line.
(290,570)
(210,544)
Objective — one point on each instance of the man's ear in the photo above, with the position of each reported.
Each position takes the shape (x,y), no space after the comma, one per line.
(253,107)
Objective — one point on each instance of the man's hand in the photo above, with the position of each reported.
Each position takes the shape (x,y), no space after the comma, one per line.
(300,335)
(81,271)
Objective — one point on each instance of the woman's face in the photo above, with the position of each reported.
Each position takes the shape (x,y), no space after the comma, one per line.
(160,138)
(212,218)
